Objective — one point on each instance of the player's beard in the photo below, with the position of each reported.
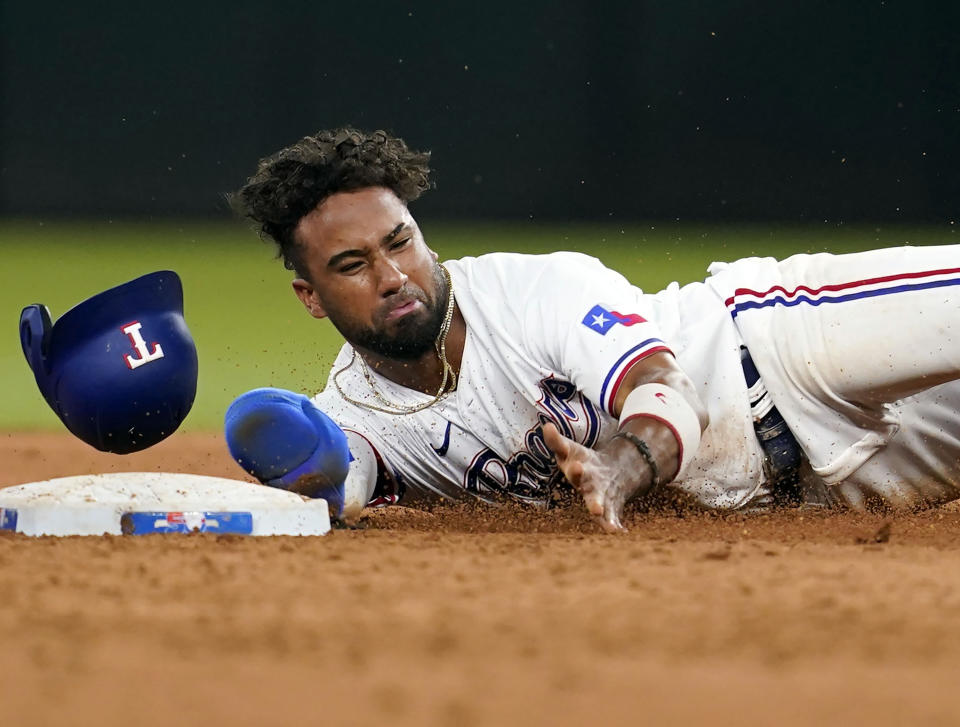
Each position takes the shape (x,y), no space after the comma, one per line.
(411,336)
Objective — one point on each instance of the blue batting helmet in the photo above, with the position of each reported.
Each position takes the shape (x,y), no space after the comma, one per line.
(120,368)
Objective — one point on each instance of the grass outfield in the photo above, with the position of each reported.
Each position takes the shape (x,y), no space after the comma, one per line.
(251,331)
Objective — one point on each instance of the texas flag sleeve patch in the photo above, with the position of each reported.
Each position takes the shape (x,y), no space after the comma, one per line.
(601,320)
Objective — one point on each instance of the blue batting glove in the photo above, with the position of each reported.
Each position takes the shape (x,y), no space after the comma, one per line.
(284,441)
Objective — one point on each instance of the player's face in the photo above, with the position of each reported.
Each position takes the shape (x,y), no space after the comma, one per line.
(371,273)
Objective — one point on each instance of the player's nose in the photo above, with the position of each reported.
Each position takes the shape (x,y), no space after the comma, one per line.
(389,276)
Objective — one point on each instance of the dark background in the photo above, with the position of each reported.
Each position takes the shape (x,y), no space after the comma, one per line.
(740,110)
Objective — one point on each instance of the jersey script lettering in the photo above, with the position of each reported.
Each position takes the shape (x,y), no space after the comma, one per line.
(531,472)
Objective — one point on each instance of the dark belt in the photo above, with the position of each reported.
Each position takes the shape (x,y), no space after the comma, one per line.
(782,454)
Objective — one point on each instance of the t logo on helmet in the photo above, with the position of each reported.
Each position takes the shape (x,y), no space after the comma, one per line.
(133,331)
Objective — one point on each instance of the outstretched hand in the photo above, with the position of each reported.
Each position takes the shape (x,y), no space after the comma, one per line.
(601,477)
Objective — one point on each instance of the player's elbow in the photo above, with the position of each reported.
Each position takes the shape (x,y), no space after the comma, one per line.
(680,382)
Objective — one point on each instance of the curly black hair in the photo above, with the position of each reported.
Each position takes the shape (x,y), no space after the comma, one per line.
(291,183)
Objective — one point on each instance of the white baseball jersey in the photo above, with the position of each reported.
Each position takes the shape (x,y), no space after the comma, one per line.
(549,338)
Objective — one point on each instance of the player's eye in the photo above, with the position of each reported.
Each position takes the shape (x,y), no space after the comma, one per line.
(351,267)
(399,243)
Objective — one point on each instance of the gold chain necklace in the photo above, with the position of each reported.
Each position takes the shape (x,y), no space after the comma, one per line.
(440,345)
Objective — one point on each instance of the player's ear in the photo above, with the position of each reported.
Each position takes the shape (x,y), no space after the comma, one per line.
(308,296)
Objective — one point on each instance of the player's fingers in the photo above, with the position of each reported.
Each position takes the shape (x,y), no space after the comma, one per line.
(573,471)
(558,444)
(611,519)
(593,501)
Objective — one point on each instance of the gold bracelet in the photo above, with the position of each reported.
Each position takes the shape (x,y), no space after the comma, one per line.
(644,450)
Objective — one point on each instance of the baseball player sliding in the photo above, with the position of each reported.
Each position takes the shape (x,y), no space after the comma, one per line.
(509,376)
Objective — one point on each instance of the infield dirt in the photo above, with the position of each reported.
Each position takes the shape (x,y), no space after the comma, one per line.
(467,617)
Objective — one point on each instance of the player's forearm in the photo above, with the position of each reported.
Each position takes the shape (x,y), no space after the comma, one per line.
(659,444)
(361,481)
(662,426)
